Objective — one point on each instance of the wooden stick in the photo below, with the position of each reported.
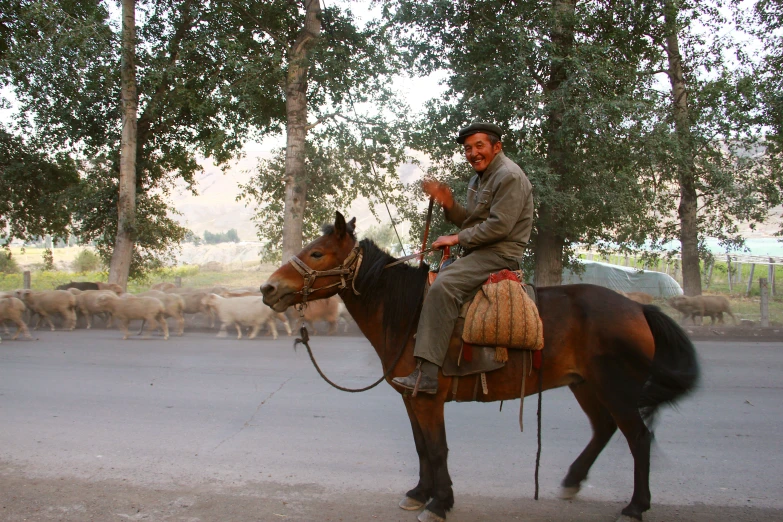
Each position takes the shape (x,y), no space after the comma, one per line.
(426,230)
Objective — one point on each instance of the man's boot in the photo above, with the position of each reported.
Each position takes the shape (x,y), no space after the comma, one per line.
(426,373)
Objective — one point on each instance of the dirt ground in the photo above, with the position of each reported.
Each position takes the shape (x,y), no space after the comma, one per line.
(75,500)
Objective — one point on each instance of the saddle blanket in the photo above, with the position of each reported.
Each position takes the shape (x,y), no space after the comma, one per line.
(503,314)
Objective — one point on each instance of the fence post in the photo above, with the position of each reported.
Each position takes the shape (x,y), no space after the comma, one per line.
(750,279)
(764,302)
(728,270)
(26,280)
(709,273)
(178,282)
(626,260)
(771,271)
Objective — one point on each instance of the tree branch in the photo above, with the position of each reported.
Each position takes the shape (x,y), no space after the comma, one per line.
(145,120)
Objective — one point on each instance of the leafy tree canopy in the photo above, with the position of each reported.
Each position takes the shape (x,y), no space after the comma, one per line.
(36,190)
(589,117)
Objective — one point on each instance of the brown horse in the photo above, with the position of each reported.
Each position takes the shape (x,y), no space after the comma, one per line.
(621,359)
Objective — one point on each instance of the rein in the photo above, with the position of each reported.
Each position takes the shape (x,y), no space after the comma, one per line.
(305,340)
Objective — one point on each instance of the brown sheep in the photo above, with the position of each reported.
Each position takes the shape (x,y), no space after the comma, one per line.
(320,310)
(12,309)
(639,297)
(702,305)
(163,287)
(147,309)
(174,304)
(114,287)
(87,305)
(49,302)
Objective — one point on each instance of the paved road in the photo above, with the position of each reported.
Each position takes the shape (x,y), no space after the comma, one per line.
(198,428)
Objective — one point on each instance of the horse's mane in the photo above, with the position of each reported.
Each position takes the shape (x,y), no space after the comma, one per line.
(399,289)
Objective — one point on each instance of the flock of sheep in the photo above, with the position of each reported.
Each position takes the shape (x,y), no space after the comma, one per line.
(242,308)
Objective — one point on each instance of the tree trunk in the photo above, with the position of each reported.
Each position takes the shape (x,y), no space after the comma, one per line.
(549,243)
(126,207)
(549,252)
(296,130)
(689,232)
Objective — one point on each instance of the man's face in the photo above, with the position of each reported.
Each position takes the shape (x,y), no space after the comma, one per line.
(479,151)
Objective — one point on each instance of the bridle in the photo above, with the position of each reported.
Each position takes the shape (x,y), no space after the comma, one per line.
(347,271)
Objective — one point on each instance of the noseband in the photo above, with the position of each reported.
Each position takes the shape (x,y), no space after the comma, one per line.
(347,271)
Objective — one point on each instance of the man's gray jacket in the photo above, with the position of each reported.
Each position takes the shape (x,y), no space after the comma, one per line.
(499,213)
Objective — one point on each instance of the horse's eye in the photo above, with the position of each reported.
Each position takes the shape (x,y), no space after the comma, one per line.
(316,255)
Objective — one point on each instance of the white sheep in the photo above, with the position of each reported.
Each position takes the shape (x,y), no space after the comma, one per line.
(249,311)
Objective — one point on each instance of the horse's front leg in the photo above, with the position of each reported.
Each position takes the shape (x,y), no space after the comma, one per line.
(428,412)
(418,496)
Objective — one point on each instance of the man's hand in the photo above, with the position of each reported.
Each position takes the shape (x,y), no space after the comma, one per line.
(438,191)
(444,241)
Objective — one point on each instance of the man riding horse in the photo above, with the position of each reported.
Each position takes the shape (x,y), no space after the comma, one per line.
(494,231)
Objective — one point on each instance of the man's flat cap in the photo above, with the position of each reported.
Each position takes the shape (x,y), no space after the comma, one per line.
(476,127)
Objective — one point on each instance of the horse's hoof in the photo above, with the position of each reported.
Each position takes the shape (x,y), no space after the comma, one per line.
(429,516)
(410,504)
(569,493)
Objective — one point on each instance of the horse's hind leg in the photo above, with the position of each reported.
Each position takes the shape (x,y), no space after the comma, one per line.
(619,392)
(604,427)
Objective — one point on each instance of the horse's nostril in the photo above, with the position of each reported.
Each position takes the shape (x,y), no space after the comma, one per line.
(267,288)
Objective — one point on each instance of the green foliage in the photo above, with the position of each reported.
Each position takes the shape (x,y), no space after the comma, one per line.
(8,264)
(586,117)
(221,237)
(385,237)
(48,260)
(36,187)
(767,19)
(86,261)
(156,234)
(190,237)
(340,168)
(209,76)
(205,84)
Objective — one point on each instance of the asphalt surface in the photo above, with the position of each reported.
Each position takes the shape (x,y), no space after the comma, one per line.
(198,428)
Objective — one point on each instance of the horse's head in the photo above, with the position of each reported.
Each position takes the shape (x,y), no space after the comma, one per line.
(320,270)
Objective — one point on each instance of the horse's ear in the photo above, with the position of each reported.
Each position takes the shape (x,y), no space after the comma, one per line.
(351,226)
(339,225)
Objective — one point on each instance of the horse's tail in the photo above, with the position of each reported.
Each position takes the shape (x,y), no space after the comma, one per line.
(675,367)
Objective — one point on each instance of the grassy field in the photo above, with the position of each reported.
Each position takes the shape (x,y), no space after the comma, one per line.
(191,276)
